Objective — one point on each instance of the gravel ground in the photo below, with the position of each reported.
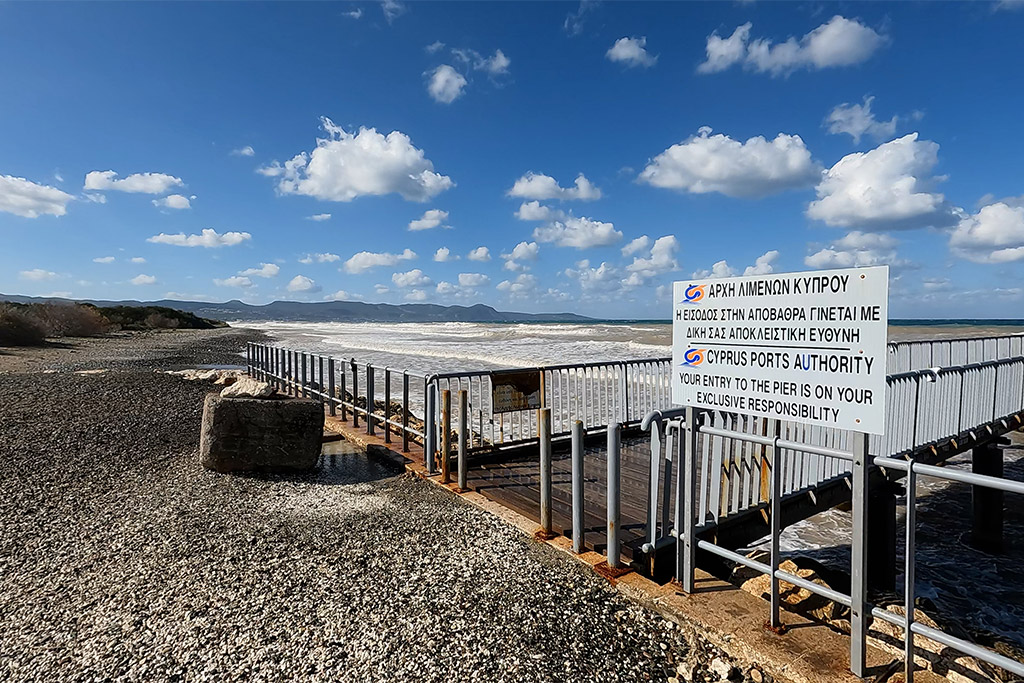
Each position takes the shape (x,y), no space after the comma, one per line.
(122,559)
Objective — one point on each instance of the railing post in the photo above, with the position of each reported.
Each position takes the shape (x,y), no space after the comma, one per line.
(305,377)
(355,392)
(908,574)
(545,469)
(654,484)
(613,493)
(331,406)
(371,403)
(430,428)
(321,388)
(859,557)
(624,388)
(686,525)
(248,358)
(405,412)
(775,518)
(387,405)
(577,487)
(446,436)
(463,440)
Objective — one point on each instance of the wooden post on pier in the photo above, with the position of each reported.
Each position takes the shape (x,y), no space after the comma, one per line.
(446,436)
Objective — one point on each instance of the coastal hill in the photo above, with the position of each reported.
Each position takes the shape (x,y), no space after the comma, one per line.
(328,311)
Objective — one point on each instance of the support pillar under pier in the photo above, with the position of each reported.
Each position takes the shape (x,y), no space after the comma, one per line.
(881,532)
(987,503)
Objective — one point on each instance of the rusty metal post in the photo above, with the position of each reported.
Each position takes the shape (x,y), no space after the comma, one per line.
(545,469)
(430,428)
(405,412)
(305,378)
(321,387)
(463,439)
(330,387)
(446,436)
(371,403)
(387,405)
(614,518)
(577,487)
(355,392)
(342,393)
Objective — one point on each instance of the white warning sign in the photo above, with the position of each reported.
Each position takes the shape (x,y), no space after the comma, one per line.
(806,347)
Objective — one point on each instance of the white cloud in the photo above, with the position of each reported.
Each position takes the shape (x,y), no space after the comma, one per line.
(434,47)
(857,120)
(416,295)
(479,254)
(446,288)
(209,238)
(838,42)
(95,198)
(345,166)
(473,279)
(173,201)
(381,289)
(319,217)
(764,264)
(445,84)
(144,183)
(496,65)
(535,211)
(412,278)
(233,281)
(601,278)
(857,249)
(265,270)
(319,258)
(392,9)
(581,233)
(366,260)
(137,259)
(524,251)
(31,200)
(717,163)
(631,52)
(521,287)
(662,258)
(540,186)
(356,13)
(432,218)
(342,295)
(143,280)
(636,246)
(301,283)
(444,254)
(38,275)
(719,269)
(574,20)
(246,151)
(993,235)
(103,259)
(886,188)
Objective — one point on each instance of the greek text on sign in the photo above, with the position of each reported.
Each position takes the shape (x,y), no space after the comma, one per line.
(806,347)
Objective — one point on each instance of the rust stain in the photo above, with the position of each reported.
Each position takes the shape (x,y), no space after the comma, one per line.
(779,630)
(611,573)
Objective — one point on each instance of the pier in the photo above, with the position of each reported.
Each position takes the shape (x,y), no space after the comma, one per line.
(607,461)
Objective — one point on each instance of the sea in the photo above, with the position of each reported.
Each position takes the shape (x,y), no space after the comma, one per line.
(979,591)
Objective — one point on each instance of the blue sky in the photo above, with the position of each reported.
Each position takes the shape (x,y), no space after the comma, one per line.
(531,156)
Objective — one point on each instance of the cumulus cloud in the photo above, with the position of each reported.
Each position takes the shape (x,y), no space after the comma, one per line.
(174,201)
(246,151)
(445,84)
(661,258)
(265,270)
(342,295)
(636,246)
(209,238)
(319,258)
(717,163)
(535,211)
(473,279)
(886,188)
(444,254)
(524,251)
(103,259)
(445,288)
(479,254)
(522,286)
(416,295)
(602,278)
(301,283)
(348,165)
(38,275)
(857,120)
(838,42)
(581,233)
(632,52)
(858,249)
(30,200)
(719,269)
(392,9)
(433,218)
(233,281)
(144,183)
(764,264)
(993,235)
(540,186)
(365,260)
(143,280)
(137,259)
(412,278)
(319,217)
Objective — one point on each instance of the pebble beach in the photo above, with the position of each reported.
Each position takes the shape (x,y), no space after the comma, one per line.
(122,559)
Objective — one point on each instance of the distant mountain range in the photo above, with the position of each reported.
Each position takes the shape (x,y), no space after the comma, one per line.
(328,311)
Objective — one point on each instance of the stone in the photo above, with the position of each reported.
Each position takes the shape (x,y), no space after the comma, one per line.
(247,386)
(260,435)
(756,676)
(685,671)
(721,668)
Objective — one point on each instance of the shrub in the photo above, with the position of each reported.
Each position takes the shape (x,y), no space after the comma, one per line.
(18,327)
(159,321)
(70,320)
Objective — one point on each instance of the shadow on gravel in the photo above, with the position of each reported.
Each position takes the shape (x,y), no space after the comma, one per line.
(339,464)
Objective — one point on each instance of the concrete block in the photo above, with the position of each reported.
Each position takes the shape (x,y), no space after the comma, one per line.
(260,435)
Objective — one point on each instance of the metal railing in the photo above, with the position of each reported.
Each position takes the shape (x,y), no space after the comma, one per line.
(905,356)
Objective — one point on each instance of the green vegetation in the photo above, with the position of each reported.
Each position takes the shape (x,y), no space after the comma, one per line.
(32,324)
